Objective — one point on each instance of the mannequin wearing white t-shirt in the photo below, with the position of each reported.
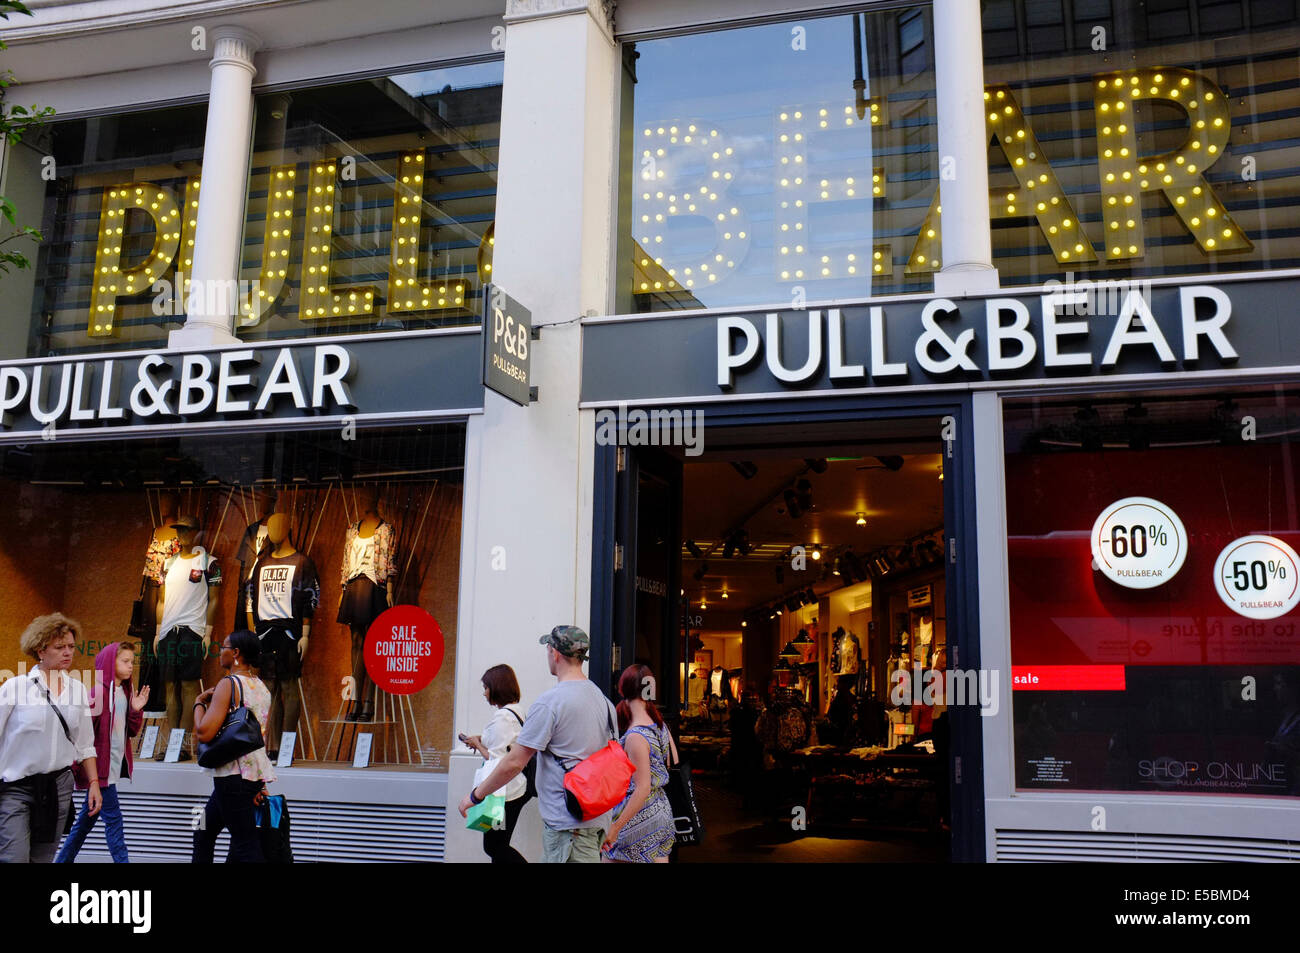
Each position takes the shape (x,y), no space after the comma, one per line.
(181,692)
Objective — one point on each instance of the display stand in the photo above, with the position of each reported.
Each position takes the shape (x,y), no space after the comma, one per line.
(394,712)
(305,719)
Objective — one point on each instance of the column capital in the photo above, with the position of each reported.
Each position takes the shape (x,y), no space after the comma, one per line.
(602,11)
(234,46)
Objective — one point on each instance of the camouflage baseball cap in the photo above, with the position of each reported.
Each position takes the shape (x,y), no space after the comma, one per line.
(568,640)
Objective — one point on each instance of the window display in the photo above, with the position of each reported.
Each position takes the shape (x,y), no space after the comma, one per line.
(1152,641)
(201,503)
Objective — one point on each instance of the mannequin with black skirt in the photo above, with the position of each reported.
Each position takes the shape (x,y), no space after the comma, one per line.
(368,576)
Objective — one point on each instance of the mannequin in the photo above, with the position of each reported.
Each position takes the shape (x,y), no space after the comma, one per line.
(184,633)
(162,546)
(282,594)
(250,547)
(368,575)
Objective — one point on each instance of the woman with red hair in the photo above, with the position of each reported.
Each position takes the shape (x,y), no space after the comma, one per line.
(642,831)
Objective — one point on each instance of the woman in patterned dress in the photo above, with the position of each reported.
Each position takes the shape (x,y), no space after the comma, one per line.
(643,827)
(238,785)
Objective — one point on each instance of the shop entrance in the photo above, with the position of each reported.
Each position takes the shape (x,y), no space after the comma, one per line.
(778,582)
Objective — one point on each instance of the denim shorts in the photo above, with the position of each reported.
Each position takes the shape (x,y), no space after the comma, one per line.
(581,846)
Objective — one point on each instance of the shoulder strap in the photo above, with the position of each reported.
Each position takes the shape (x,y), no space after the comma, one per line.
(517,718)
(67,733)
(240,688)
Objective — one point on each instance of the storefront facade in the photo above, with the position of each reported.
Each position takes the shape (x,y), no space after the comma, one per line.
(678,192)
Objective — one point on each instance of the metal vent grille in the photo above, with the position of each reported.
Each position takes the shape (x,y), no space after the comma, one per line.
(159,828)
(1038,846)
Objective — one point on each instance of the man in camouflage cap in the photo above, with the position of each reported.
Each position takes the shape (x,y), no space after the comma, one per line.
(569,640)
(569,722)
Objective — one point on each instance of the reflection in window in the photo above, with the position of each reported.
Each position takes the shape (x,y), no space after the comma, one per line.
(770,164)
(369,208)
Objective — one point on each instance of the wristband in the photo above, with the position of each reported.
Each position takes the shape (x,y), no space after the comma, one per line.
(473,799)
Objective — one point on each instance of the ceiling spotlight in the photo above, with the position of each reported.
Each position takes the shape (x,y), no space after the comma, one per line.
(838,563)
(778,610)
(724,593)
(704,602)
(694,550)
(862,517)
(701,572)
(744,624)
(811,596)
(816,552)
(891,463)
(817,466)
(793,604)
(745,468)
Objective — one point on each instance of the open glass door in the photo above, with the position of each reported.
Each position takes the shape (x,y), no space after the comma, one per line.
(646,624)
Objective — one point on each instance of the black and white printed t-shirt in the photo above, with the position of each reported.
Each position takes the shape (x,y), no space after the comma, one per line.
(282,591)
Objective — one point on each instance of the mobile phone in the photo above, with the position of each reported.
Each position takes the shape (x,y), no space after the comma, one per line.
(463,737)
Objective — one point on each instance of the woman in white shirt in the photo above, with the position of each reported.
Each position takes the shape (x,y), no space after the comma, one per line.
(501,689)
(44,727)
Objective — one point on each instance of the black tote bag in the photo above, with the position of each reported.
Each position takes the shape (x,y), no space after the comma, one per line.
(240,734)
(687,826)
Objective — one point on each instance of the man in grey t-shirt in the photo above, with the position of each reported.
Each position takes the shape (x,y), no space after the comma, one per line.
(569,722)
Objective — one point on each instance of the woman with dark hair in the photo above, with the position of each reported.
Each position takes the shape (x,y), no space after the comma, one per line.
(238,785)
(642,831)
(501,689)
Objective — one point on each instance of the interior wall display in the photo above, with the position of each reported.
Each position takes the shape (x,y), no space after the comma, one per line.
(1258,577)
(76,505)
(283,592)
(1138,543)
(1166,688)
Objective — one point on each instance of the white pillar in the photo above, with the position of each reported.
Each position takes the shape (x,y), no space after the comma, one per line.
(963,150)
(531,467)
(222,194)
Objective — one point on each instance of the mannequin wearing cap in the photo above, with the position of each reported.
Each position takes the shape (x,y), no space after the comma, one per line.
(162,545)
(184,632)
(368,576)
(281,597)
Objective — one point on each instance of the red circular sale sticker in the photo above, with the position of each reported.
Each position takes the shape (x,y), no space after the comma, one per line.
(403,650)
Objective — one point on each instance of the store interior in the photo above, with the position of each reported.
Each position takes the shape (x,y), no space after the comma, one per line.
(812,569)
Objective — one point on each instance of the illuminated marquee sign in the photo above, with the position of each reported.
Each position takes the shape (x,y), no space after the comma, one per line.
(688,169)
(175,218)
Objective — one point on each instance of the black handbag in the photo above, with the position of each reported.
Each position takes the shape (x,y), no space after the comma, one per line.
(687,826)
(240,734)
(139,629)
(530,769)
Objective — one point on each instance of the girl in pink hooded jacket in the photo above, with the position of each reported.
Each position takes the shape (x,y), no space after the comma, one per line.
(117,715)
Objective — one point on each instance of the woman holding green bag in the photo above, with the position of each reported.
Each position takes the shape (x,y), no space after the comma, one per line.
(497,815)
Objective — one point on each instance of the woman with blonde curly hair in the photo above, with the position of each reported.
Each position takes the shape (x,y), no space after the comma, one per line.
(44,727)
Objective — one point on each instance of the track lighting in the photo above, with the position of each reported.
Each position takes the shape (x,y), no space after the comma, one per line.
(745,468)
(862,517)
(816,552)
(694,550)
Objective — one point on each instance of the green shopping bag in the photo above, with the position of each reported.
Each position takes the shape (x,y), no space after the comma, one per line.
(488,814)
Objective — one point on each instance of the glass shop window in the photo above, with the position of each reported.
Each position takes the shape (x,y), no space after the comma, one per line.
(1155,592)
(369,208)
(1162,141)
(769,163)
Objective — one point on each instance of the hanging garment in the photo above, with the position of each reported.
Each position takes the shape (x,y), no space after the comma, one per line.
(187,581)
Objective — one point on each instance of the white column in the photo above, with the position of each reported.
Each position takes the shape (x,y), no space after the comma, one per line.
(963,150)
(222,195)
(531,467)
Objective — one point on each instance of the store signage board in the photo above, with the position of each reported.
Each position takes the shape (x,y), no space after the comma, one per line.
(284,757)
(149,742)
(919,596)
(507,344)
(399,375)
(931,343)
(1138,543)
(361,758)
(1258,577)
(174,742)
